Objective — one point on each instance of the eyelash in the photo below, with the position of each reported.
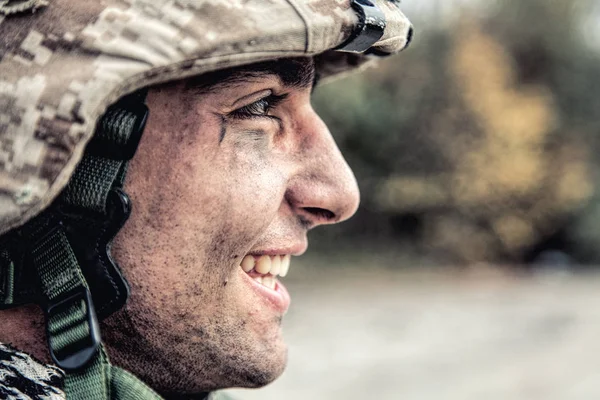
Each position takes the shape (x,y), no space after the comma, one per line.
(259,108)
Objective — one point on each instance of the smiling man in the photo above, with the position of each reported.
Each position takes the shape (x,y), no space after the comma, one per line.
(207,133)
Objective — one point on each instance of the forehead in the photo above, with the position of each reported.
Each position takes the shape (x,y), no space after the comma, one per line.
(292,72)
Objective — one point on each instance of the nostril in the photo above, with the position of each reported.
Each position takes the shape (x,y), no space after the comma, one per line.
(409,37)
(321,213)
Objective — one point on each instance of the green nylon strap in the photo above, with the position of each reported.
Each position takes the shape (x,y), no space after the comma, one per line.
(88,189)
(60,274)
(92,181)
(69,326)
(93,379)
(71,322)
(95,176)
(125,386)
(56,264)
(7,278)
(92,382)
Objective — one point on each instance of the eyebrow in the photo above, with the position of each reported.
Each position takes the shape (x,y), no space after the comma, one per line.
(292,72)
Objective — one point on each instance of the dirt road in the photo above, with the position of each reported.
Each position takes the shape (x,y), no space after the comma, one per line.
(380,334)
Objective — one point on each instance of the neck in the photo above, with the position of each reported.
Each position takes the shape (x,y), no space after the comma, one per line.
(24,328)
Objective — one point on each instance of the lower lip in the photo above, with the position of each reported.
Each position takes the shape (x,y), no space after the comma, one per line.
(278,299)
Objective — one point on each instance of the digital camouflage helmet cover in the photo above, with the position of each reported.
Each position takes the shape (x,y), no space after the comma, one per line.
(71,116)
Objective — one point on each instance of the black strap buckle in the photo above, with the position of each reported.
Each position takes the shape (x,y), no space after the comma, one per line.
(90,237)
(76,355)
(370,28)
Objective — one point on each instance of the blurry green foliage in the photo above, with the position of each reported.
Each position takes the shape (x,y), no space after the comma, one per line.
(478,143)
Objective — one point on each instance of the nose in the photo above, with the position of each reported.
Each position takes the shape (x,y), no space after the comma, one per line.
(323,190)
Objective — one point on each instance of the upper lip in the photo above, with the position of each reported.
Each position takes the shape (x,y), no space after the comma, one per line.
(294,250)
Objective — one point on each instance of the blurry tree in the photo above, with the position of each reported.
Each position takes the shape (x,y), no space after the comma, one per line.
(479,144)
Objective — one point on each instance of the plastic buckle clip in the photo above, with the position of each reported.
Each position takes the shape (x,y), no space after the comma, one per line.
(369,30)
(90,239)
(77,354)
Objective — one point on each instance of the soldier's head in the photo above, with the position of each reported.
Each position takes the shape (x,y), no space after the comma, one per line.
(232,170)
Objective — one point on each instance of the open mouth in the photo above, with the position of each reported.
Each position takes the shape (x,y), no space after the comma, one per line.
(263,271)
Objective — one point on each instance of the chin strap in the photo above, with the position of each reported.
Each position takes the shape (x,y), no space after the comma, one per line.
(73,330)
(68,248)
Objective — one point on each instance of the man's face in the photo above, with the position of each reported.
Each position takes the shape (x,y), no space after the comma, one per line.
(231,174)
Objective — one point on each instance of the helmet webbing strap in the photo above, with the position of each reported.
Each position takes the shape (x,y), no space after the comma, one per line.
(68,250)
(95,190)
(72,326)
(92,208)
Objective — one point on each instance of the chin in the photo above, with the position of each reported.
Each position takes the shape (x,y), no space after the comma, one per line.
(264,370)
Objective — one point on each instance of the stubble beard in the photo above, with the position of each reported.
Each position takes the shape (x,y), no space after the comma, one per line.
(195,358)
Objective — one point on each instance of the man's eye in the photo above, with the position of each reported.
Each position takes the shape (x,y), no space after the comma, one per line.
(259,108)
(256,109)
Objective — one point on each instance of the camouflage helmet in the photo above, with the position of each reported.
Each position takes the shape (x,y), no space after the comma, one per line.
(63,62)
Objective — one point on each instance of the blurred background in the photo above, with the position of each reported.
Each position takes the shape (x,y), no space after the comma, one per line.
(471,269)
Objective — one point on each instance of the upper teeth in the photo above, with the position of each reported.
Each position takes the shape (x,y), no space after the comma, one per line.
(274,265)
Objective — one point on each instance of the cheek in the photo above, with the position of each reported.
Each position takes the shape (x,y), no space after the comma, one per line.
(199,204)
(218,207)
(255,189)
